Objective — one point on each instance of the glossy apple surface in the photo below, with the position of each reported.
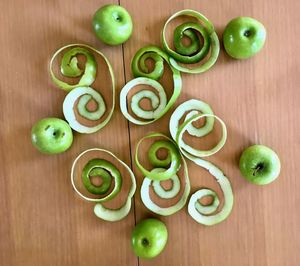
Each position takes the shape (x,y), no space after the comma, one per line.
(259,164)
(149,238)
(51,135)
(112,24)
(244,37)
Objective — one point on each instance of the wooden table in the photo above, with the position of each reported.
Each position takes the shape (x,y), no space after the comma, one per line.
(43,222)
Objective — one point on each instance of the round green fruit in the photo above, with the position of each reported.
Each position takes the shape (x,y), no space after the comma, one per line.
(112,24)
(51,135)
(149,238)
(243,37)
(259,164)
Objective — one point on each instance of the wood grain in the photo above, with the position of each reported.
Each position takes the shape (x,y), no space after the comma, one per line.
(257,98)
(43,222)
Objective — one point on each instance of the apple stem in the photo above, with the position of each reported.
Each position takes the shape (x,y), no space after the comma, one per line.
(247,33)
(257,169)
(145,242)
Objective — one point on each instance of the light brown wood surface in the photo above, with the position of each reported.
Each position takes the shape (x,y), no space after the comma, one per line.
(43,222)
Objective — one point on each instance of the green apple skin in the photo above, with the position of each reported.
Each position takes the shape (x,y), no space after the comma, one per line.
(51,135)
(243,37)
(112,24)
(149,238)
(259,164)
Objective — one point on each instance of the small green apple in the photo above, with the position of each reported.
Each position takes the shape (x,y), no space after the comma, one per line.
(259,164)
(112,24)
(51,135)
(149,238)
(243,37)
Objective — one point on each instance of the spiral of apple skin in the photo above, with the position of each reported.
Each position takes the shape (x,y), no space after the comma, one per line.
(97,164)
(201,213)
(172,159)
(163,169)
(195,110)
(81,96)
(82,92)
(69,67)
(179,33)
(189,54)
(139,67)
(206,214)
(106,170)
(143,76)
(85,98)
(163,194)
(171,163)
(161,191)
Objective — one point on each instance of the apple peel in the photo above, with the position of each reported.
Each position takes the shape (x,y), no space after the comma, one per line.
(183,56)
(106,170)
(174,160)
(142,77)
(206,209)
(81,90)
(163,193)
(69,66)
(201,213)
(193,107)
(82,93)
(177,56)
(100,210)
(178,130)
(185,148)
(145,196)
(155,181)
(83,101)
(113,215)
(158,102)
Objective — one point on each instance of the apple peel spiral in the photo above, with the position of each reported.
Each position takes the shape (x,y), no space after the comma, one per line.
(104,166)
(80,94)
(160,105)
(192,53)
(204,214)
(160,173)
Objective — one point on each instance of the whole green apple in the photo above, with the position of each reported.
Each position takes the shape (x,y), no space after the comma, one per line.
(51,135)
(243,37)
(149,238)
(259,164)
(112,24)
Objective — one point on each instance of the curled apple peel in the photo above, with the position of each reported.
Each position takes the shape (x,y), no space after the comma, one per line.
(193,53)
(185,148)
(158,102)
(105,169)
(163,193)
(99,164)
(201,213)
(69,66)
(159,173)
(172,161)
(160,105)
(205,214)
(82,92)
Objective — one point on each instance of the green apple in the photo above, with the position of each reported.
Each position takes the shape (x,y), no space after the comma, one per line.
(259,164)
(51,135)
(243,37)
(112,24)
(149,238)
